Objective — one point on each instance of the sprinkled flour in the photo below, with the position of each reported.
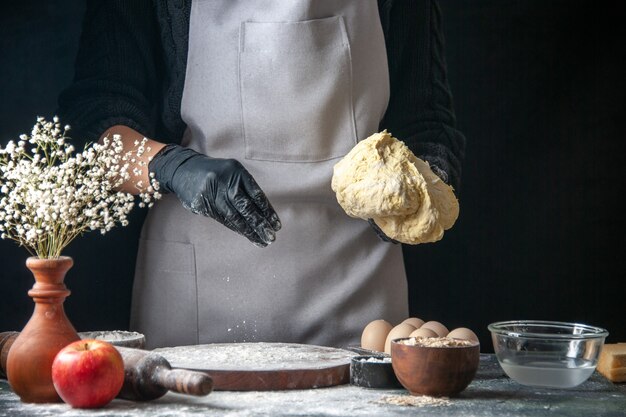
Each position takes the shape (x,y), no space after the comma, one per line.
(376,360)
(415,400)
(340,401)
(255,356)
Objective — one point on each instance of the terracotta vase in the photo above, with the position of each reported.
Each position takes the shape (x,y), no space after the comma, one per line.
(30,359)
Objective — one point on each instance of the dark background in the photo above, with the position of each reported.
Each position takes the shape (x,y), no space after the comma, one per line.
(538,86)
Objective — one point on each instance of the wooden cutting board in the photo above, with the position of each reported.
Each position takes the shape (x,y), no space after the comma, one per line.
(264,366)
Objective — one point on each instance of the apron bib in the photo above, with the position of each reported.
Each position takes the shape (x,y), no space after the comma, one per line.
(287,88)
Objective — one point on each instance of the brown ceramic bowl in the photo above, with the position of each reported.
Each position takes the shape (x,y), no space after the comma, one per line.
(436,371)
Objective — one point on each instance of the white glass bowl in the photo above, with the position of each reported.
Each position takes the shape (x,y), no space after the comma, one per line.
(547,353)
(121,338)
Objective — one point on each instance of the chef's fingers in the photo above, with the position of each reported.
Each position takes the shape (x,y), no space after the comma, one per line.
(260,199)
(253,216)
(230,217)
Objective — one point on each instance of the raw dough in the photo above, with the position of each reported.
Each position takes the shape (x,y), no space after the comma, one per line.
(381,179)
(378,178)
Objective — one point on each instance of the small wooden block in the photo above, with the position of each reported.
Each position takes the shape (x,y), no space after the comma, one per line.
(612,362)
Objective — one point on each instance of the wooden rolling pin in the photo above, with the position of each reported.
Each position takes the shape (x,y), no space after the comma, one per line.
(147,375)
(6,340)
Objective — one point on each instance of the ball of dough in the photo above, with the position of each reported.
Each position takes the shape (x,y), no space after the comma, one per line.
(438,212)
(381,179)
(419,227)
(378,178)
(441,194)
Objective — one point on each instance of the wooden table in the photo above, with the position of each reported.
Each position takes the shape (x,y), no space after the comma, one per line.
(491,393)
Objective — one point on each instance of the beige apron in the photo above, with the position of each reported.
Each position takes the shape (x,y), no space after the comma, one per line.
(287,88)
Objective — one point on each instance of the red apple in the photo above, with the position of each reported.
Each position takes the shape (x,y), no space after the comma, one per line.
(88,373)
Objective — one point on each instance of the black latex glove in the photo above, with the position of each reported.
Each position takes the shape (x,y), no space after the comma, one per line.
(380,233)
(219,188)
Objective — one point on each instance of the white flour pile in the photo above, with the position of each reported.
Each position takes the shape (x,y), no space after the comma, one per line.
(376,360)
(415,400)
(255,356)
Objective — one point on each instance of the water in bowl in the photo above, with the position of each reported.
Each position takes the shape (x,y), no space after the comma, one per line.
(547,372)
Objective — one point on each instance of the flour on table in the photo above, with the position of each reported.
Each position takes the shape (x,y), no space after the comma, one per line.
(415,400)
(254,356)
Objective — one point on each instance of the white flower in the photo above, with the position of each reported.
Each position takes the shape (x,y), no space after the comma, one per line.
(51,197)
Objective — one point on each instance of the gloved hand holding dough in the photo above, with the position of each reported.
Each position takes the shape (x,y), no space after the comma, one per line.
(381,179)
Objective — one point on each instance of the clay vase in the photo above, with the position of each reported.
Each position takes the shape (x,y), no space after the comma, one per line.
(29,363)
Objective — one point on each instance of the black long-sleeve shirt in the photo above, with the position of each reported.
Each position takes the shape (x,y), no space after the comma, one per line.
(131,64)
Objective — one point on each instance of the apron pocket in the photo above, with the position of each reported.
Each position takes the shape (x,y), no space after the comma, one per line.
(295,82)
(165,302)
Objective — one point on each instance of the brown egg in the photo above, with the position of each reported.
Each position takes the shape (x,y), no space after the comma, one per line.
(421,332)
(437,327)
(414,321)
(375,334)
(463,333)
(401,330)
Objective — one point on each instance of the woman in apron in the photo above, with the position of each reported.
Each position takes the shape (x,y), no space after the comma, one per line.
(260,100)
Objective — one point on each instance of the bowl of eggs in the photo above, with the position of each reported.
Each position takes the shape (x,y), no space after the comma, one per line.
(378,334)
(436,366)
(426,357)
